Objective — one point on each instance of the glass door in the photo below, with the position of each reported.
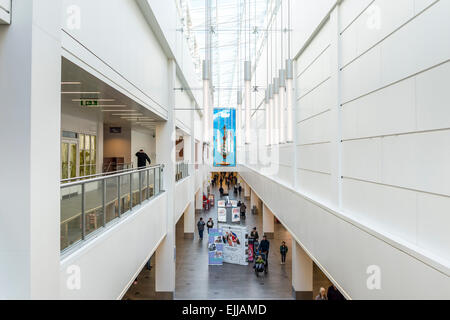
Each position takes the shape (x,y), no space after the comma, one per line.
(68,160)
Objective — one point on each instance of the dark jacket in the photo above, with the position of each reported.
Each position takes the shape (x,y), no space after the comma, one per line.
(334,294)
(201,225)
(254,235)
(142,159)
(283,249)
(264,246)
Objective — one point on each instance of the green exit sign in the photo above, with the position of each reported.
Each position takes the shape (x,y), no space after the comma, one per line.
(89,103)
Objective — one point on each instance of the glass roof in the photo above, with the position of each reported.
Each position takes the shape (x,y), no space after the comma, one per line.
(237,28)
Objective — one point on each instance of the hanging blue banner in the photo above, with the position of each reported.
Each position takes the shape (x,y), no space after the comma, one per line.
(224,138)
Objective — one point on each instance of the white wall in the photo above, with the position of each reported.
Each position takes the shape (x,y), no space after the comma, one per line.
(109,263)
(371,168)
(142,140)
(184,195)
(125,51)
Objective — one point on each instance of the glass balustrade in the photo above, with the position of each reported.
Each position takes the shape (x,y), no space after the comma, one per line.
(181,171)
(88,206)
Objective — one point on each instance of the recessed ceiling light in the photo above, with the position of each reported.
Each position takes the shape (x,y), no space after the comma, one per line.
(80,92)
(94,99)
(107,106)
(70,82)
(119,111)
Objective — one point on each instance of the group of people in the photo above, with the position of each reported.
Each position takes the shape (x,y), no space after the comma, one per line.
(332,294)
(201,226)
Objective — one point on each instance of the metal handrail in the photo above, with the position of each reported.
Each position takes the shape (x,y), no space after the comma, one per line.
(76,202)
(182,170)
(109,174)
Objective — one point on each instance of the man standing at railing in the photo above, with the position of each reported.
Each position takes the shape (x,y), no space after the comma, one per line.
(142,158)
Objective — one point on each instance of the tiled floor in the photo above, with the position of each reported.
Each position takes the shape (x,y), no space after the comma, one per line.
(195,280)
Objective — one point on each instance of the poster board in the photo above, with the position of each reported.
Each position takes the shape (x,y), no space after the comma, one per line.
(236,215)
(222,214)
(235,244)
(215,247)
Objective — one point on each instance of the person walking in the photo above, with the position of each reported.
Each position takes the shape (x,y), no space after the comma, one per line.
(142,159)
(264,247)
(201,228)
(283,251)
(240,190)
(254,234)
(210,224)
(322,294)
(334,294)
(243,208)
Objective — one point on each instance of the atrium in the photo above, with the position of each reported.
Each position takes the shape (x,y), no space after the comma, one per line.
(220,150)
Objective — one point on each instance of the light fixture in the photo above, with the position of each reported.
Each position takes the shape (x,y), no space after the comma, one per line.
(65,83)
(81,93)
(281,96)
(289,99)
(127,114)
(94,99)
(271,131)
(118,110)
(239,116)
(267,106)
(106,106)
(248,99)
(206,78)
(276,110)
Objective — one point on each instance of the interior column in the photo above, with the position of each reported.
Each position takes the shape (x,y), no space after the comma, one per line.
(165,154)
(30,94)
(302,273)
(268,223)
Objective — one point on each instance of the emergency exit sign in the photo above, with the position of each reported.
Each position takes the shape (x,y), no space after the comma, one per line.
(89,103)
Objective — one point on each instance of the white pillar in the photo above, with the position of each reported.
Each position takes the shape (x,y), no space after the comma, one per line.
(247,190)
(189,214)
(254,200)
(199,199)
(302,273)
(336,109)
(268,223)
(30,121)
(165,154)
(189,221)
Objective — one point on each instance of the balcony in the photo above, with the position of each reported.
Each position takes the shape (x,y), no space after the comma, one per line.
(89,205)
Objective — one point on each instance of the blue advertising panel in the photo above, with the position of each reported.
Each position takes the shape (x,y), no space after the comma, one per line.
(215,247)
(224,137)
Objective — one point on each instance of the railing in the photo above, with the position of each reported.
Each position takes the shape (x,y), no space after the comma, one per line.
(182,171)
(96,175)
(114,167)
(90,205)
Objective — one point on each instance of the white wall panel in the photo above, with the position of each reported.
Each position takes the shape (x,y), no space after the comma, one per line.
(315,157)
(388,111)
(344,250)
(314,184)
(433,220)
(432,98)
(110,263)
(418,161)
(314,130)
(421,44)
(350,10)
